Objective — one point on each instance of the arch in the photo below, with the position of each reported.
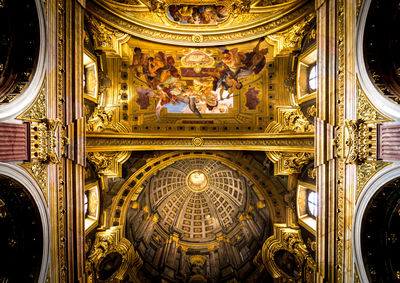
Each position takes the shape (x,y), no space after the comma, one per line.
(371,188)
(26,180)
(131,189)
(23,101)
(382,103)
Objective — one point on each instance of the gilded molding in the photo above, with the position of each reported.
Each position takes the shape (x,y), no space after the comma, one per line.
(366,171)
(45,141)
(289,242)
(108,163)
(131,23)
(38,110)
(115,143)
(109,242)
(38,171)
(286,163)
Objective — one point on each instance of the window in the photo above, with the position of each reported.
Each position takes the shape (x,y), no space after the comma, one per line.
(307,76)
(85,204)
(312,78)
(307,206)
(91,206)
(312,203)
(90,77)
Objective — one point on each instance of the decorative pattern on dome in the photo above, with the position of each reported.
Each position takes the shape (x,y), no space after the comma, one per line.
(197,198)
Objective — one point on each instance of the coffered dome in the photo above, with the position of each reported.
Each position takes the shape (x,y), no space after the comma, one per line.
(197,198)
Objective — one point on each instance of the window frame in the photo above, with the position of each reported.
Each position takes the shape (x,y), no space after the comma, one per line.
(306,62)
(306,219)
(91,221)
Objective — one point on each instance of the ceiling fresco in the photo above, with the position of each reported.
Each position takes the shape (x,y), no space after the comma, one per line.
(171,84)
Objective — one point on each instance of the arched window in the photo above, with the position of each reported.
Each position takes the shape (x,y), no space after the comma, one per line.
(307,206)
(312,203)
(312,78)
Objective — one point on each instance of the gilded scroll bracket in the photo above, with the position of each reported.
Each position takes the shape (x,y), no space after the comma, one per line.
(286,245)
(107,244)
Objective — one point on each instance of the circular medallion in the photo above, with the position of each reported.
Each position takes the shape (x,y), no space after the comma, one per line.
(197,141)
(197,181)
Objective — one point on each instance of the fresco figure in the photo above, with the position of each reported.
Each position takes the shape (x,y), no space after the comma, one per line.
(197,14)
(139,60)
(209,91)
(254,61)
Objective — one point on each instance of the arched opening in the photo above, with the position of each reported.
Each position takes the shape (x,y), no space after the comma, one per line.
(21,237)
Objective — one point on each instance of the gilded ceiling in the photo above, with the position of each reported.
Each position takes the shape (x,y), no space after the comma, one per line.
(163,84)
(199,87)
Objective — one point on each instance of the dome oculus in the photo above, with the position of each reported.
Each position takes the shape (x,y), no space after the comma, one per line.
(197,181)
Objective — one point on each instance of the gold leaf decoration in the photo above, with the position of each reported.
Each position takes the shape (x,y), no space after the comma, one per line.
(38,109)
(38,171)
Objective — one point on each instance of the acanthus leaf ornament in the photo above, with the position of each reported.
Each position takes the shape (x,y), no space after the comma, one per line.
(108,163)
(286,243)
(286,163)
(99,120)
(108,244)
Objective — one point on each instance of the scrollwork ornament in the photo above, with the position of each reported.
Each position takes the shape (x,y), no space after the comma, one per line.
(100,161)
(294,162)
(366,171)
(365,109)
(108,163)
(37,111)
(286,244)
(290,120)
(38,171)
(99,120)
(108,243)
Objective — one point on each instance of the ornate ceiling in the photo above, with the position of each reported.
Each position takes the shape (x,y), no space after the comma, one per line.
(176,23)
(187,82)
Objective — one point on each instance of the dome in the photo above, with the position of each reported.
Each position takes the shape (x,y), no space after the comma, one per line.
(197,214)
(197,198)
